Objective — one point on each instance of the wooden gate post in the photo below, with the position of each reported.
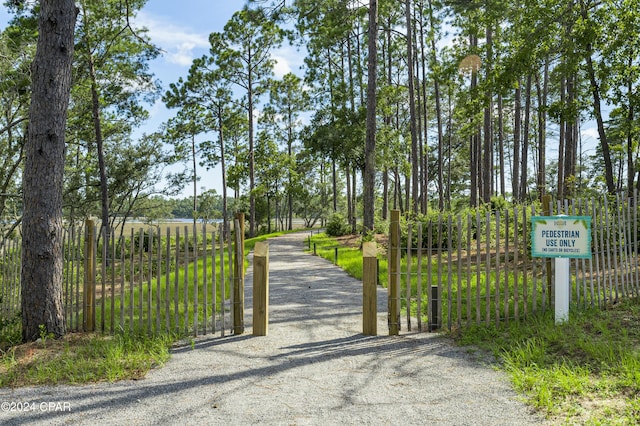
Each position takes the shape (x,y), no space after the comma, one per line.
(369,289)
(238,275)
(261,289)
(394,274)
(88,313)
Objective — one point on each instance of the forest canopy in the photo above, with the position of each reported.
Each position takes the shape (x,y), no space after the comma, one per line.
(476,101)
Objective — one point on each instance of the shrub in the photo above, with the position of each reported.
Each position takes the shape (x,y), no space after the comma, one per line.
(337,225)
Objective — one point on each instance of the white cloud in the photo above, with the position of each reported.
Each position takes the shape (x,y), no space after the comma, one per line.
(590,133)
(288,59)
(281,67)
(178,43)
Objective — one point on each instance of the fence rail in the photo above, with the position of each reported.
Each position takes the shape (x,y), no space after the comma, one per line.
(180,280)
(454,271)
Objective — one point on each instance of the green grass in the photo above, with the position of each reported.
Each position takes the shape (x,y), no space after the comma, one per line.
(83,358)
(586,371)
(92,357)
(181,319)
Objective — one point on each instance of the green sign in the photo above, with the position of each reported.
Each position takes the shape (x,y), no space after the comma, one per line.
(561,236)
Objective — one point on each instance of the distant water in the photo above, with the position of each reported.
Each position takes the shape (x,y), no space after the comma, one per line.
(175,220)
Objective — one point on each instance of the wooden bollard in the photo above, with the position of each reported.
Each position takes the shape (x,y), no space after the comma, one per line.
(369,289)
(238,276)
(394,274)
(261,289)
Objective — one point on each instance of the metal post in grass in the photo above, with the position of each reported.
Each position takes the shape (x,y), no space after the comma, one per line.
(89,276)
(394,274)
(238,276)
(369,289)
(261,289)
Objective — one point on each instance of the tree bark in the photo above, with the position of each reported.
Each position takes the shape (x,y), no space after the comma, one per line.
(42,266)
(412,112)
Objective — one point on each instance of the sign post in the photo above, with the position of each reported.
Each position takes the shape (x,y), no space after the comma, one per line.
(562,238)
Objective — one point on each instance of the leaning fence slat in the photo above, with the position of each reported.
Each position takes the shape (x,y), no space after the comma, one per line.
(594,256)
(205,282)
(159,282)
(627,246)
(4,293)
(408,275)
(17,287)
(440,285)
(122,282)
(10,283)
(195,281)
(222,282)
(507,265)
(613,281)
(635,242)
(149,282)
(606,295)
(66,261)
(419,279)
(103,278)
(449,277)
(131,278)
(185,283)
(487,270)
(429,284)
(597,247)
(468,298)
(617,261)
(8,257)
(498,272)
(176,285)
(231,279)
(516,278)
(534,278)
(478,262)
(113,281)
(214,300)
(140,278)
(525,265)
(459,263)
(4,285)
(167,282)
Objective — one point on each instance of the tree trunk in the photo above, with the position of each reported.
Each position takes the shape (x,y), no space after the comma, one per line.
(503,187)
(97,127)
(524,176)
(597,112)
(487,151)
(252,174)
(412,111)
(517,125)
(42,181)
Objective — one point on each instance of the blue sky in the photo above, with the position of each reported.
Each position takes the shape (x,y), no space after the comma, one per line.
(181,29)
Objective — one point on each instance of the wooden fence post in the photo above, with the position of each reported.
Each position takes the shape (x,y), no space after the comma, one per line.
(394,274)
(89,276)
(261,289)
(238,276)
(369,289)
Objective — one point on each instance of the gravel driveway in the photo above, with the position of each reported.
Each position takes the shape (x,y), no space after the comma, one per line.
(314,368)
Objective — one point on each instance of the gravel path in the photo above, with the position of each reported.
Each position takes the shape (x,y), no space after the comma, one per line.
(315,367)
